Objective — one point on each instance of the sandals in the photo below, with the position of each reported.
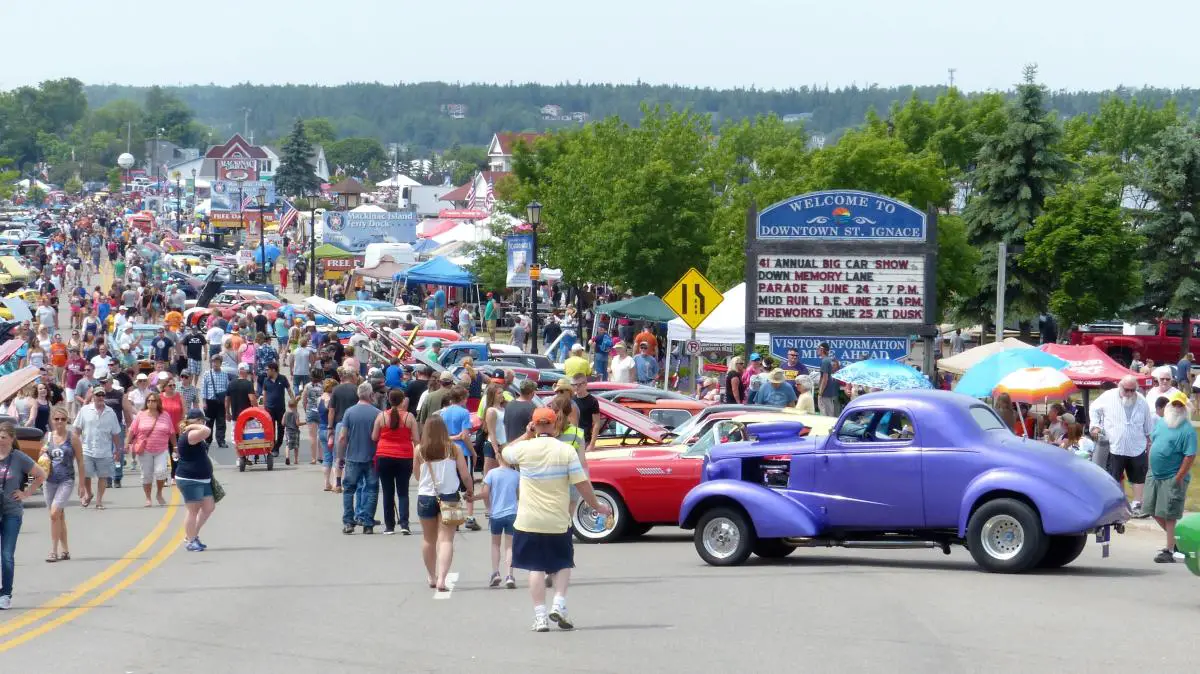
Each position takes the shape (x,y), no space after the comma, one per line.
(85,502)
(51,558)
(64,557)
(101,506)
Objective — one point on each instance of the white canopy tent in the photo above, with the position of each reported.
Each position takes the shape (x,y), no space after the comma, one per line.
(725,325)
(398,180)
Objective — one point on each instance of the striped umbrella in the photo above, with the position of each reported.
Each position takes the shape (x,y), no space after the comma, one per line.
(1035,385)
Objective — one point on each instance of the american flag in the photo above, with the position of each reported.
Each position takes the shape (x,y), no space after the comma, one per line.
(289,217)
(489,200)
(471,195)
(247,201)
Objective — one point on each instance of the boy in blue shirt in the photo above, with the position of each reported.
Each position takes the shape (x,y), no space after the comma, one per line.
(458,425)
(500,491)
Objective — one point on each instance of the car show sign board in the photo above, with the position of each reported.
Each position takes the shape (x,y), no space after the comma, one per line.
(841,265)
(693,298)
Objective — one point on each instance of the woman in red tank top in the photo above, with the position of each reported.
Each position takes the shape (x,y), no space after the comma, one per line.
(395,434)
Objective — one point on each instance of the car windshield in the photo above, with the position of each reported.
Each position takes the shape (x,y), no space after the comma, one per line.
(986,418)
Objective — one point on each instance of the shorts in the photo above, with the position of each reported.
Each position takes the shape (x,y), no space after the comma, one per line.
(1132,468)
(1165,498)
(427,506)
(549,553)
(489,451)
(503,524)
(58,493)
(312,417)
(69,395)
(193,490)
(153,467)
(98,467)
(326,452)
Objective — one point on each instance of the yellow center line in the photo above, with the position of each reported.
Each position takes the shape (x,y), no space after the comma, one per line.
(167,550)
(95,581)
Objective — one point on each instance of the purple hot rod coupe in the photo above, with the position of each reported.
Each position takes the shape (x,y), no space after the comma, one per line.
(902,470)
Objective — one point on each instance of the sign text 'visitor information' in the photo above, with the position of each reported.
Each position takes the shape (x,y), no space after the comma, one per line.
(837,288)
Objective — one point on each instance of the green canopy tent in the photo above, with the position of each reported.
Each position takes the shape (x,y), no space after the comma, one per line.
(329,250)
(645,308)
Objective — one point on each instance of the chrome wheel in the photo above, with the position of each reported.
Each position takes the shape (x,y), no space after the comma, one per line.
(721,537)
(585,519)
(1002,537)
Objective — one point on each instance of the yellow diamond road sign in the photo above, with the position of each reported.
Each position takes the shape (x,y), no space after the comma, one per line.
(693,298)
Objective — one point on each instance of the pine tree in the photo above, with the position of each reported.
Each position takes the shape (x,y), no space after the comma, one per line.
(1171,228)
(1015,171)
(295,175)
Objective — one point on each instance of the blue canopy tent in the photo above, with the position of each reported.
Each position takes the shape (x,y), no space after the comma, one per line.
(438,271)
(272,250)
(424,245)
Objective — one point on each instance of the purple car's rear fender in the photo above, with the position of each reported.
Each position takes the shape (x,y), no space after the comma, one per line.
(1062,512)
(774,514)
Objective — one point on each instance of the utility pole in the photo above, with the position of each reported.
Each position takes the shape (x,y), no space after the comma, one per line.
(1001,279)
(245,122)
(952,71)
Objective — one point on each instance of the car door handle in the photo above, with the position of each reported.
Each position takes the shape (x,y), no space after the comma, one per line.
(824,458)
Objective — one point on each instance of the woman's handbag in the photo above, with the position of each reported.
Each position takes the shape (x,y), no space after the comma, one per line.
(217,490)
(453,513)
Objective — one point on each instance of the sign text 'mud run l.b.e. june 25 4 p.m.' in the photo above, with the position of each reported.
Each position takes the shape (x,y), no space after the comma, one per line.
(842,263)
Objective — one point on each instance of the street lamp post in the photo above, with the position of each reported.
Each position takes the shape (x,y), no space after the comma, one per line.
(178,202)
(193,216)
(312,244)
(262,232)
(533,213)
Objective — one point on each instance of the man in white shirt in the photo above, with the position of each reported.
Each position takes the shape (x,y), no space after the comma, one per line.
(120,321)
(1122,416)
(99,432)
(47,316)
(1164,386)
(216,337)
(101,362)
(620,367)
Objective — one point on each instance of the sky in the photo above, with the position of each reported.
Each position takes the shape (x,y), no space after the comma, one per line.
(716,43)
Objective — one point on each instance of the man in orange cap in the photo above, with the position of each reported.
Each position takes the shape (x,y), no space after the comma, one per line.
(542,542)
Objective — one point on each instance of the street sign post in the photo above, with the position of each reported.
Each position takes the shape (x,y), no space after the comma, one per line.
(692,298)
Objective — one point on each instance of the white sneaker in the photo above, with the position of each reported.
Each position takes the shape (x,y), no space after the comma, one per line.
(6,603)
(540,624)
(1178,555)
(559,615)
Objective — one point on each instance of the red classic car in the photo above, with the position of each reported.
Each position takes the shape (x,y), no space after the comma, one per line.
(645,485)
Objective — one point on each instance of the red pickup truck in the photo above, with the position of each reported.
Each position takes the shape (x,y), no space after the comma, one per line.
(1160,342)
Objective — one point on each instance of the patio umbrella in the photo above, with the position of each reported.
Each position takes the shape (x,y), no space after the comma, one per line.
(272,251)
(9,349)
(981,379)
(1036,385)
(882,374)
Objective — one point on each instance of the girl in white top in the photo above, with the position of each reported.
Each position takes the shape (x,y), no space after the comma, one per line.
(494,423)
(621,366)
(441,468)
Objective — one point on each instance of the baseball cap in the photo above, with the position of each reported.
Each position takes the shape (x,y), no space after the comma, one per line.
(564,384)
(141,377)
(1178,397)
(446,377)
(576,347)
(243,367)
(195,414)
(755,356)
(543,415)
(164,375)
(186,374)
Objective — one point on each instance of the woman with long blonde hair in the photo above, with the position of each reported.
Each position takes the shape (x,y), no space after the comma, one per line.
(63,453)
(441,469)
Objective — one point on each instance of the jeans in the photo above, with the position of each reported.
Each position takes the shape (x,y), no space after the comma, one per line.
(601,367)
(277,416)
(359,479)
(214,413)
(10,527)
(298,382)
(119,462)
(394,475)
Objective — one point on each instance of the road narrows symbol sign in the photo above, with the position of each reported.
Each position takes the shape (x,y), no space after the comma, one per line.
(693,298)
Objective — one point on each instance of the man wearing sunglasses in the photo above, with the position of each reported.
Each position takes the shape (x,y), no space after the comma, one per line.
(1122,417)
(1164,386)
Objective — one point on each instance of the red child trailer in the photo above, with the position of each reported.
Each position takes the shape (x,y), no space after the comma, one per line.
(254,435)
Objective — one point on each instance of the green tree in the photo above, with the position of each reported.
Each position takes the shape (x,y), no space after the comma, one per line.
(1171,230)
(463,161)
(1015,171)
(170,118)
(355,155)
(8,176)
(35,195)
(114,180)
(320,131)
(489,262)
(73,186)
(1083,250)
(956,265)
(295,176)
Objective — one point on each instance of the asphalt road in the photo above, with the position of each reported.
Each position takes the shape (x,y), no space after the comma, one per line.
(282,589)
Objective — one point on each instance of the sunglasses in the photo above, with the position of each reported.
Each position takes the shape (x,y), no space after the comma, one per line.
(1128,390)
(60,419)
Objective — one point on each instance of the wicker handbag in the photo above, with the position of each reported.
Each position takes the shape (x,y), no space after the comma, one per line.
(453,513)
